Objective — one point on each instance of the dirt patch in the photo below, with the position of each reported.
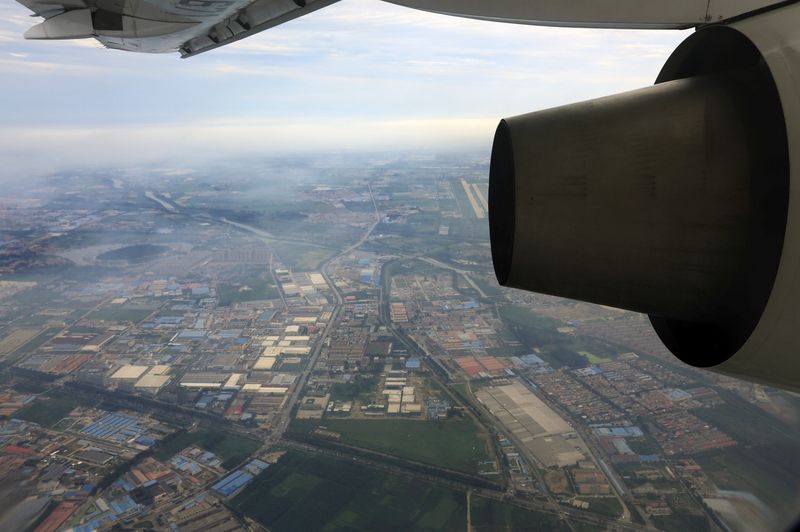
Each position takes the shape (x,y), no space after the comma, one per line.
(557,481)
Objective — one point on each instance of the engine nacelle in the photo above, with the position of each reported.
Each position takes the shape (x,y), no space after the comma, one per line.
(678,200)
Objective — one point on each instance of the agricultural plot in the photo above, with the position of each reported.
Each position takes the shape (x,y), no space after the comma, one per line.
(307,492)
(48,411)
(454,444)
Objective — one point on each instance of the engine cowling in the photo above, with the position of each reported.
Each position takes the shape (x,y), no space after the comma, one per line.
(678,200)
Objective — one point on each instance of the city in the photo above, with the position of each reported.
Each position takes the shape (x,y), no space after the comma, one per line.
(320,343)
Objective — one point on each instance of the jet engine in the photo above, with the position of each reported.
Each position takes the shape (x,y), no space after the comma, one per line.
(680,200)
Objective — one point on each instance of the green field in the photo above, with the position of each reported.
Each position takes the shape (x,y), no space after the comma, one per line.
(293,367)
(308,492)
(557,349)
(230,448)
(454,444)
(681,522)
(460,388)
(48,410)
(133,315)
(609,506)
(592,358)
(134,253)
(489,514)
(580,526)
(359,388)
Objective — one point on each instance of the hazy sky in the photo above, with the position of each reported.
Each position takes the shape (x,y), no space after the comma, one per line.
(360,74)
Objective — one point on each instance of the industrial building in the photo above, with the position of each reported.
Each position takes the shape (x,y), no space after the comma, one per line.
(204,380)
(232,482)
(239,478)
(543,432)
(129,372)
(119,428)
(152,384)
(265,363)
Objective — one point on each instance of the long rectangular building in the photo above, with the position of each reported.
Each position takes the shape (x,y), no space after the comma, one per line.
(538,427)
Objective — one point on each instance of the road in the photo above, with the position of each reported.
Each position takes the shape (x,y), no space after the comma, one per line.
(469,510)
(158,199)
(286,415)
(618,491)
(263,234)
(549,506)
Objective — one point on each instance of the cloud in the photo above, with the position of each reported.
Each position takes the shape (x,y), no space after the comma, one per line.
(355,65)
(38,151)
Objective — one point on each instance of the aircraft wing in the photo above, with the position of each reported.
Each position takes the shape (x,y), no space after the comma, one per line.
(188,26)
(623,14)
(258,16)
(195,26)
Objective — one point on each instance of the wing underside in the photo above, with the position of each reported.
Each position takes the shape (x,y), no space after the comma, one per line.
(256,17)
(188,26)
(196,26)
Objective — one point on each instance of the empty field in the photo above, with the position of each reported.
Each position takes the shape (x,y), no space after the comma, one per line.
(252,289)
(454,444)
(16,339)
(299,256)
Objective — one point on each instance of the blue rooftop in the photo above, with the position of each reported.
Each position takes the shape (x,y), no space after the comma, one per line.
(531,360)
(232,482)
(122,504)
(145,440)
(192,333)
(413,363)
